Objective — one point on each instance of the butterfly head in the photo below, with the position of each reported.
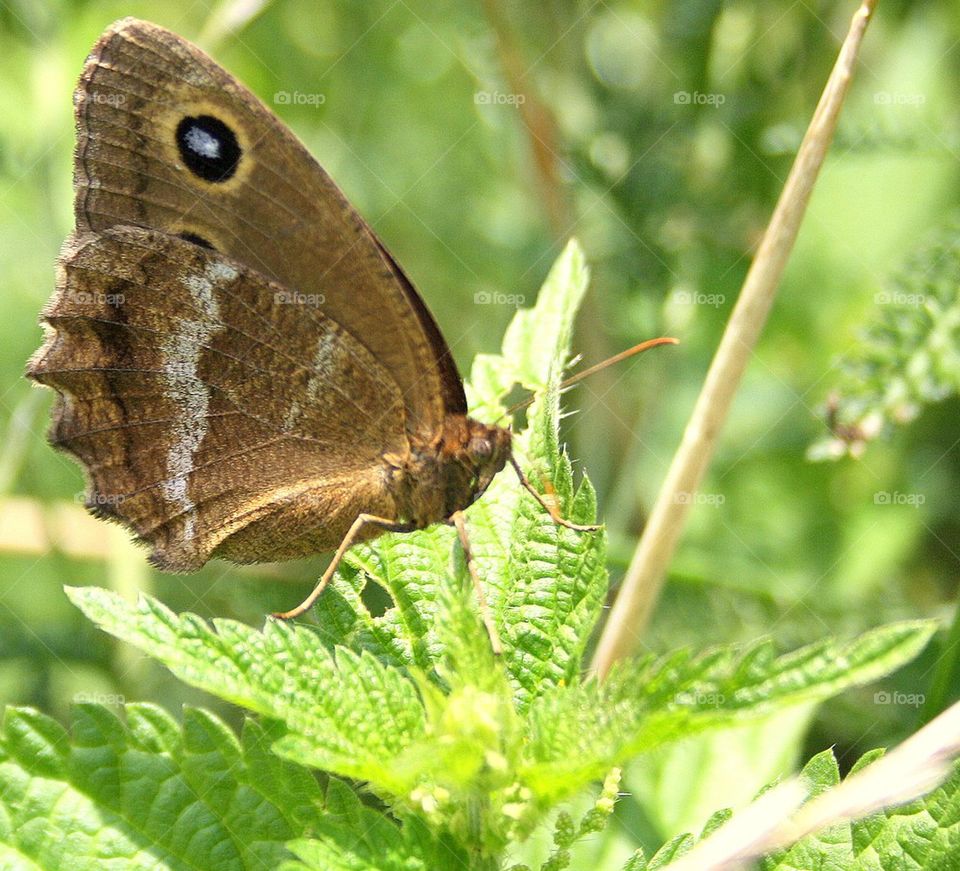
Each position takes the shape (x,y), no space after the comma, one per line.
(487,450)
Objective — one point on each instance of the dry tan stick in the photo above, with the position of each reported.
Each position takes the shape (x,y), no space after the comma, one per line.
(644,579)
(774,822)
(541,127)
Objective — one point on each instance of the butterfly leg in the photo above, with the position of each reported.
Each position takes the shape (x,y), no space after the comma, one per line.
(550,509)
(352,533)
(485,615)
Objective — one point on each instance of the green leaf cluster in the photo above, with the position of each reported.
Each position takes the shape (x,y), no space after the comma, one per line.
(907,357)
(432,752)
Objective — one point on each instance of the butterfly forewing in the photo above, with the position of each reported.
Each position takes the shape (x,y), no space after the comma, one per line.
(167,140)
(209,420)
(242,367)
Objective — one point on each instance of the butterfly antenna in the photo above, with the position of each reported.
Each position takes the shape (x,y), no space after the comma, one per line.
(586,373)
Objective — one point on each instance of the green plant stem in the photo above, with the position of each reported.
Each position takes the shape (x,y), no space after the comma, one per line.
(644,579)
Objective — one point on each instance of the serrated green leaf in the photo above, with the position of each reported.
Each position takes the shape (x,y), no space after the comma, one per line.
(545,584)
(579,732)
(347,714)
(146,795)
(352,837)
(919,836)
(907,356)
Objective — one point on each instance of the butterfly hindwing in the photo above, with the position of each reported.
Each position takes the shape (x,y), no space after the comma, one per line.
(214,415)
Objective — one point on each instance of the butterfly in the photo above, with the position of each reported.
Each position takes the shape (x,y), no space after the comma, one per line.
(242,368)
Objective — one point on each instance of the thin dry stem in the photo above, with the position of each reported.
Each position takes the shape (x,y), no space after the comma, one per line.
(644,579)
(776,819)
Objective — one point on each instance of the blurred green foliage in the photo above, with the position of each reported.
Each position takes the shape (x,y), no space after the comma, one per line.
(666,132)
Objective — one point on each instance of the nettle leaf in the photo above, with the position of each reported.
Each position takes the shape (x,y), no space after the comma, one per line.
(467,752)
(146,794)
(346,713)
(921,834)
(352,837)
(908,355)
(545,584)
(579,732)
(459,750)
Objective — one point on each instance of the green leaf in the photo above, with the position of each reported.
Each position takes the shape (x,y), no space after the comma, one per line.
(346,713)
(908,355)
(923,834)
(147,794)
(545,584)
(352,837)
(577,733)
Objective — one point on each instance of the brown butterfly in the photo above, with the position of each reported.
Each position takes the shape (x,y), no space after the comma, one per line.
(243,369)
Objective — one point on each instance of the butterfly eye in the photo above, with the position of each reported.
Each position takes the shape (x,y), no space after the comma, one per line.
(481,448)
(208,147)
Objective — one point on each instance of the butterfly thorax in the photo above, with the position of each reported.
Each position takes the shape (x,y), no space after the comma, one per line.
(448,472)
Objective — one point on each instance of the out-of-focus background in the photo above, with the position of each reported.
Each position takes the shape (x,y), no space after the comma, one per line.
(476,138)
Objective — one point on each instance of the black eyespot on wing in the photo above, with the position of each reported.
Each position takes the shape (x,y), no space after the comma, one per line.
(208,147)
(196,240)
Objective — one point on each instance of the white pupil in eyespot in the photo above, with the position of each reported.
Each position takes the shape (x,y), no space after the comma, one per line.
(202,143)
